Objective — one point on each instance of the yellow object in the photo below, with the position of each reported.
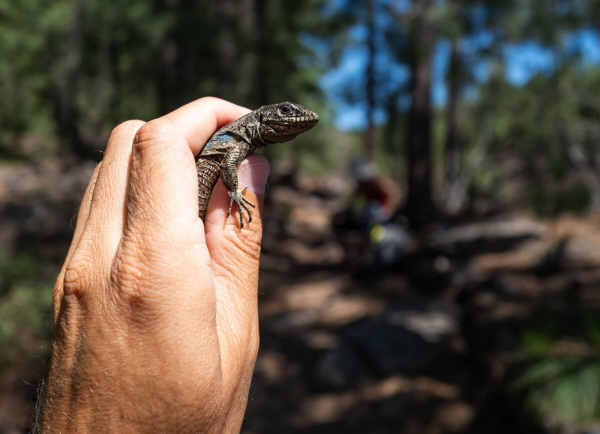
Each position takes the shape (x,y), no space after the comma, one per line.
(377,233)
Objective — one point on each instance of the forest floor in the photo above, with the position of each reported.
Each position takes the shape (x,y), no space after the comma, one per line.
(424,346)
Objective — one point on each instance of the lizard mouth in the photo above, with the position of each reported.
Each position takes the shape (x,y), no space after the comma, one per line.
(305,121)
(313,117)
(285,128)
(310,118)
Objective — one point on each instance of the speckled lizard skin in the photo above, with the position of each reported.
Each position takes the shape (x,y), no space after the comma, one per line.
(275,123)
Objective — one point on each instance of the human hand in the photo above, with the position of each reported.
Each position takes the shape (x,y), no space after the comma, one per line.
(155,312)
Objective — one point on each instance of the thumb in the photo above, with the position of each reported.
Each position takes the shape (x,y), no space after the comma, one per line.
(235,256)
(228,244)
(234,251)
(253,173)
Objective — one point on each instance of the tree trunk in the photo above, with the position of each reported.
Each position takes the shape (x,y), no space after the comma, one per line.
(227,62)
(453,188)
(64,91)
(420,208)
(370,139)
(262,54)
(171,86)
(263,60)
(169,96)
(246,22)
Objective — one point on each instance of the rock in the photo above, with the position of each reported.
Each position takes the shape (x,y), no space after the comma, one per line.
(406,338)
(324,254)
(322,303)
(487,235)
(342,367)
(455,416)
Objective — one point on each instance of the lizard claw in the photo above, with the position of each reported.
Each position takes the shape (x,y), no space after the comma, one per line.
(242,202)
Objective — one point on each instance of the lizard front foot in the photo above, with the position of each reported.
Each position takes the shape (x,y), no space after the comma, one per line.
(241,201)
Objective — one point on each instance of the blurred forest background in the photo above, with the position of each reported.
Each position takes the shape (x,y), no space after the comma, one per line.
(485,115)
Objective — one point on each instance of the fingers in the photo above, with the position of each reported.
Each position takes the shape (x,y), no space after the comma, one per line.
(141,212)
(253,173)
(235,259)
(107,216)
(82,217)
(162,182)
(85,209)
(144,213)
(198,120)
(163,232)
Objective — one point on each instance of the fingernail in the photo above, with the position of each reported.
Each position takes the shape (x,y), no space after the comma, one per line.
(254,175)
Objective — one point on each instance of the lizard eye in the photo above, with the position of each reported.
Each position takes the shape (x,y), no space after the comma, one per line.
(285,110)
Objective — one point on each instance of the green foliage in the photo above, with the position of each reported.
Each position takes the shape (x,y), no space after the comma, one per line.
(541,126)
(550,202)
(559,370)
(561,391)
(78,68)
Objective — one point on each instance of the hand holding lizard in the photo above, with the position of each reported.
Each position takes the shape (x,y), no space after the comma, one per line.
(155,316)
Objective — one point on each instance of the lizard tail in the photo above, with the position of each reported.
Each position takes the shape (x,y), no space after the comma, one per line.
(208,175)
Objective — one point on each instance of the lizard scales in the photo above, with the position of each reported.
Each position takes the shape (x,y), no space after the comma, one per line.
(275,123)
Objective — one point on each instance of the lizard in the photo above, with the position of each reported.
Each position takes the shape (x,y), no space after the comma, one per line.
(275,123)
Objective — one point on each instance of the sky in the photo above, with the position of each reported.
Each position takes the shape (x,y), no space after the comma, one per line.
(522,61)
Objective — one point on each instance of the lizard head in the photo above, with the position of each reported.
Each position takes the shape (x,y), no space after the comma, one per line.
(282,122)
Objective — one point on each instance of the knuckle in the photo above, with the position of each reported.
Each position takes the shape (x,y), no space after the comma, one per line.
(84,271)
(75,281)
(133,280)
(127,127)
(126,275)
(151,134)
(210,100)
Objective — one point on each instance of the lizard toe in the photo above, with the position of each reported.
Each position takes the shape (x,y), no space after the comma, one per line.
(241,202)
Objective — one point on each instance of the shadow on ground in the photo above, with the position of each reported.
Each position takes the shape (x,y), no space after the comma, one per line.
(425,346)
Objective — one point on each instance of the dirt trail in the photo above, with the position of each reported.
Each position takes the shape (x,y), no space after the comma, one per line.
(424,347)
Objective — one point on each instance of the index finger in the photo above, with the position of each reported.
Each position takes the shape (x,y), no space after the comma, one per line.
(198,120)
(163,193)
